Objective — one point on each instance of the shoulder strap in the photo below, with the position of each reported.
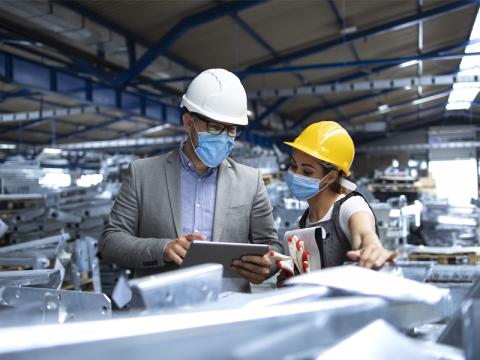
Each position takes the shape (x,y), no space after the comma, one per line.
(339,203)
(302,223)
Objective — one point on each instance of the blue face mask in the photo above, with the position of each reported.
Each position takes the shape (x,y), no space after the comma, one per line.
(303,187)
(213,149)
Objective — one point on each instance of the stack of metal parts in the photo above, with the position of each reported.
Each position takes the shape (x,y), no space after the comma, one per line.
(255,156)
(39,295)
(79,211)
(395,219)
(393,182)
(447,225)
(20,177)
(76,259)
(327,314)
(286,210)
(30,213)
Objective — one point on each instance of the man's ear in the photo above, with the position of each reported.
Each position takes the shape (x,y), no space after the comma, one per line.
(187,121)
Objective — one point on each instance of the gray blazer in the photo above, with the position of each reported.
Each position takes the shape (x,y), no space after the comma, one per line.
(147,212)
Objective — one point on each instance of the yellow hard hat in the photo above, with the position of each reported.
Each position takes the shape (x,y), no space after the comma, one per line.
(327,141)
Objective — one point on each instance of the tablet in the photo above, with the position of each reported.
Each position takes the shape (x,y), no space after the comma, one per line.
(201,252)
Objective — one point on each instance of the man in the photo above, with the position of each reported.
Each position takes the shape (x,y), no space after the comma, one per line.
(195,192)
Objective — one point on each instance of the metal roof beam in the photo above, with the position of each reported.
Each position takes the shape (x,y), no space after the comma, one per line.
(412,147)
(377,70)
(345,64)
(374,31)
(341,25)
(317,109)
(274,107)
(253,34)
(178,31)
(384,84)
(247,28)
(38,77)
(130,38)
(399,105)
(84,128)
(122,143)
(416,112)
(29,127)
(41,114)
(389,63)
(470,32)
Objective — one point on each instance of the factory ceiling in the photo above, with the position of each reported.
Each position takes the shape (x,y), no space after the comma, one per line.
(75,71)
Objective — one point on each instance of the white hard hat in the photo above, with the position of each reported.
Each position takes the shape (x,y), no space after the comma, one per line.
(219,95)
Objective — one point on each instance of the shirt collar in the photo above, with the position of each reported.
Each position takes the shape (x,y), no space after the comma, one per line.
(187,164)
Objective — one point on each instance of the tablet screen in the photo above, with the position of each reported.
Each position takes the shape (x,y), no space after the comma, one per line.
(201,252)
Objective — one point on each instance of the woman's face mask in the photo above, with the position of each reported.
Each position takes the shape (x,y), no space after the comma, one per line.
(303,187)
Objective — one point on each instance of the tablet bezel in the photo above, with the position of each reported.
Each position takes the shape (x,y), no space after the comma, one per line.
(202,252)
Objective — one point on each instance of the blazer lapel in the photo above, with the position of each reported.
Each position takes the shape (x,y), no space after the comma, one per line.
(172,172)
(224,183)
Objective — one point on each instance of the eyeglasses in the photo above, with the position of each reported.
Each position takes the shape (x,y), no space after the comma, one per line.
(216,128)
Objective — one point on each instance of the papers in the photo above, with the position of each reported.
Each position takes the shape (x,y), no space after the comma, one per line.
(307,235)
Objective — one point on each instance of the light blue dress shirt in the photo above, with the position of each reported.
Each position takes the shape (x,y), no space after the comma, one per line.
(198,194)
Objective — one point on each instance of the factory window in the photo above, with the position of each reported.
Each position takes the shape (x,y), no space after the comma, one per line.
(456,180)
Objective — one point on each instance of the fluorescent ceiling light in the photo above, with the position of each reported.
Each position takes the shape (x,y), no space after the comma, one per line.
(8,146)
(157,128)
(408,63)
(460,105)
(383,108)
(462,95)
(429,98)
(163,74)
(52,151)
(348,30)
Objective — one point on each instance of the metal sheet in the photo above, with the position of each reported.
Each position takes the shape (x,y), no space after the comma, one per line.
(181,288)
(453,334)
(471,329)
(276,331)
(56,306)
(361,281)
(49,241)
(64,217)
(413,270)
(380,340)
(50,278)
(36,262)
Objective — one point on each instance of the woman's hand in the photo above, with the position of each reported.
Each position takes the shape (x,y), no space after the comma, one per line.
(372,256)
(369,252)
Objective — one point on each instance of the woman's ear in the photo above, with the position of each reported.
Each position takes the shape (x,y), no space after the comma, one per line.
(332,176)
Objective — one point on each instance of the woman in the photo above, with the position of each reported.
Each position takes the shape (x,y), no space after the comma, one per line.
(321,159)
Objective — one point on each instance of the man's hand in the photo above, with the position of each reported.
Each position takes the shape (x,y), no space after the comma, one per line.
(254,268)
(372,256)
(176,249)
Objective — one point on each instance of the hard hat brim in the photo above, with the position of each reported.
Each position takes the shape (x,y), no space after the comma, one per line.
(313,154)
(240,120)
